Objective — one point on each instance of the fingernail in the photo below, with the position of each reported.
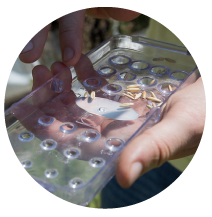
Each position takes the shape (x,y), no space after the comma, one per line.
(135,172)
(68,54)
(28,47)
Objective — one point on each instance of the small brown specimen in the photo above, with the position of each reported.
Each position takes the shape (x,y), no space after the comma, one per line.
(137,96)
(133,85)
(152,82)
(158,59)
(154,99)
(170,60)
(128,96)
(149,106)
(93,94)
(152,94)
(86,94)
(144,95)
(133,89)
(126,104)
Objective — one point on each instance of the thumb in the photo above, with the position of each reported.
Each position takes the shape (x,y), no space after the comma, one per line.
(155,146)
(71,36)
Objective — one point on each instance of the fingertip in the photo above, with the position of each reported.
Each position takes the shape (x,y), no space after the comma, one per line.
(57,67)
(71,36)
(67,54)
(40,75)
(123,171)
(34,48)
(40,69)
(135,160)
(121,14)
(126,179)
(29,54)
(71,55)
(122,178)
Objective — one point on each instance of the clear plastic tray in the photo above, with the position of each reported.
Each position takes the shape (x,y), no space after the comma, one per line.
(70,144)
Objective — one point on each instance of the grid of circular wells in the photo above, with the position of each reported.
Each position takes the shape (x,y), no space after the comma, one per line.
(113,144)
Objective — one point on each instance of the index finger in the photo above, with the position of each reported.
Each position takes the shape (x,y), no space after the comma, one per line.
(71,41)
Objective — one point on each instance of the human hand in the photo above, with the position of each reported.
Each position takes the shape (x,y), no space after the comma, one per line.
(177,135)
(62,107)
(71,33)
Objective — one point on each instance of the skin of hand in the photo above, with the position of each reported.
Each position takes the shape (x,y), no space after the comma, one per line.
(71,34)
(177,135)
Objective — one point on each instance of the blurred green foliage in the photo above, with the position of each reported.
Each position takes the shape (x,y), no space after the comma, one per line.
(96,202)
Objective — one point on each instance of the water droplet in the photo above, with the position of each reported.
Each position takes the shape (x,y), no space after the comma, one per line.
(102,109)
